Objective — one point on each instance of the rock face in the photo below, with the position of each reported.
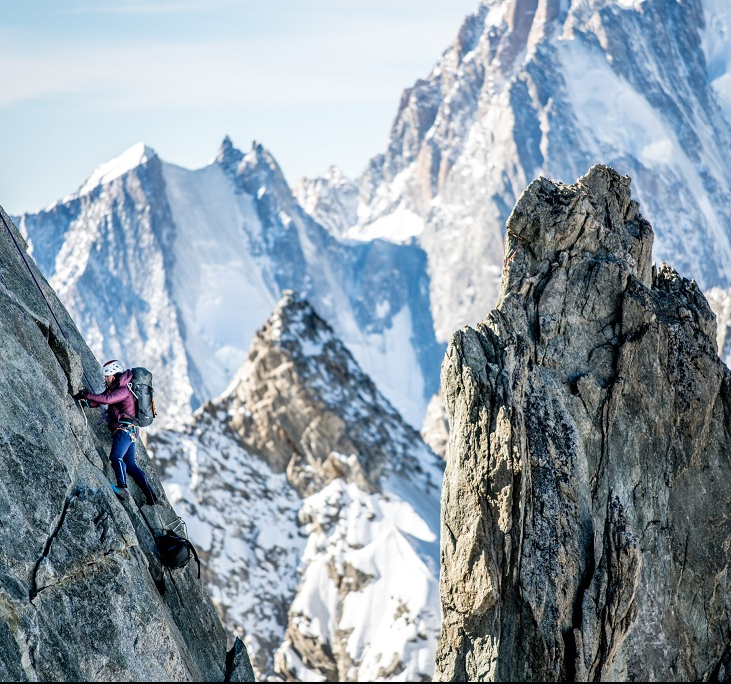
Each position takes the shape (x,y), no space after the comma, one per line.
(317,510)
(586,506)
(82,593)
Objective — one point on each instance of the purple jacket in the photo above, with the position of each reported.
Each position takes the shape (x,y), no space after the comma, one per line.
(120,399)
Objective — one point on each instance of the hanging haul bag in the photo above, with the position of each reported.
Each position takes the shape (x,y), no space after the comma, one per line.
(175,551)
(173,548)
(141,387)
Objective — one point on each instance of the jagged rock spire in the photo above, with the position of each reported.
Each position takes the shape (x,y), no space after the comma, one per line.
(312,412)
(586,494)
(229,157)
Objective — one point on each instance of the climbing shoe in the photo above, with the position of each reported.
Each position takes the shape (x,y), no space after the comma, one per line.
(121,492)
(150,498)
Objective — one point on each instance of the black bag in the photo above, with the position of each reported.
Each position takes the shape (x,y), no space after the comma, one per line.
(174,551)
(141,387)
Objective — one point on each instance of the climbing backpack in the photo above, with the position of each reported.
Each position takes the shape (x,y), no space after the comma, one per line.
(174,550)
(141,388)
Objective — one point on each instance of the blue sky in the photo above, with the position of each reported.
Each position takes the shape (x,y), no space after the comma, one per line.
(317,82)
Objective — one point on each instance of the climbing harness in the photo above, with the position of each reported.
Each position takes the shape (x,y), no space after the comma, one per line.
(35,280)
(129,428)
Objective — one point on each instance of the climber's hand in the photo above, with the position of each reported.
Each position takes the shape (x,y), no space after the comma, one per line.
(81,398)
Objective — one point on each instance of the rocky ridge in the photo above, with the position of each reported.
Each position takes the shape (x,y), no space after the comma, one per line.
(316,507)
(83,596)
(586,507)
(332,408)
(548,87)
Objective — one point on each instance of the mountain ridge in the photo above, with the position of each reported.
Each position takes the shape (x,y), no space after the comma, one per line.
(179,268)
(550,88)
(303,432)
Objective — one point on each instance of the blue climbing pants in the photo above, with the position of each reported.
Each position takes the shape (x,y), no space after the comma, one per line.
(122,457)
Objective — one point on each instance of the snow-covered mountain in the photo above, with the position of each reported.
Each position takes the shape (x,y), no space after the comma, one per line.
(551,87)
(297,509)
(529,88)
(332,199)
(176,269)
(316,509)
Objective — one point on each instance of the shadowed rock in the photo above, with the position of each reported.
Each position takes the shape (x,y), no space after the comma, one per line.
(586,505)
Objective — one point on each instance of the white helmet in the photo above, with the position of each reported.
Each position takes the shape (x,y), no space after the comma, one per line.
(113,367)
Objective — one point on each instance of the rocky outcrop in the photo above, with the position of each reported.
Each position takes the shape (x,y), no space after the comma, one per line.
(83,596)
(302,402)
(586,505)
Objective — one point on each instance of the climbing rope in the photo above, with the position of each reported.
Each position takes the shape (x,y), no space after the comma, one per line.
(512,254)
(35,280)
(83,413)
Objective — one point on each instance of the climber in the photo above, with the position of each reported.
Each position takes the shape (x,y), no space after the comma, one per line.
(120,417)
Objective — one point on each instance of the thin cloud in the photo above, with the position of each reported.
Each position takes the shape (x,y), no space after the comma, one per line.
(340,69)
(171,76)
(148,8)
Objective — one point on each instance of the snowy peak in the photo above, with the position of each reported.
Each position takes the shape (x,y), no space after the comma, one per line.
(336,531)
(303,403)
(331,200)
(549,88)
(259,173)
(295,325)
(221,244)
(127,161)
(255,173)
(229,157)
